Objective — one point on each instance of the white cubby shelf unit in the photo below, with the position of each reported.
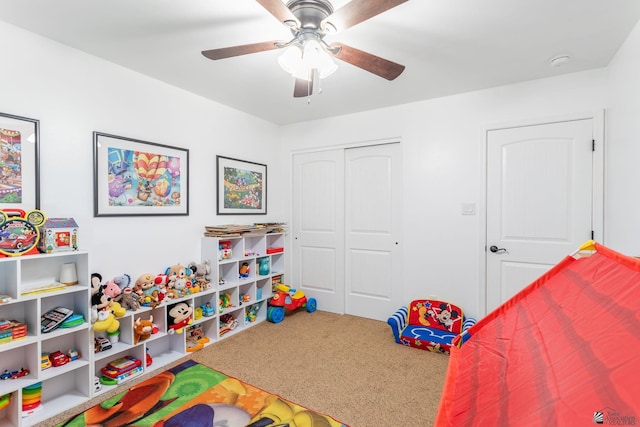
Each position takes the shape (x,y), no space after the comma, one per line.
(73,384)
(33,284)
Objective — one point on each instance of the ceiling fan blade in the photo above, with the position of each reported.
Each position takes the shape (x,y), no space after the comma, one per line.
(369,62)
(228,52)
(280,10)
(357,11)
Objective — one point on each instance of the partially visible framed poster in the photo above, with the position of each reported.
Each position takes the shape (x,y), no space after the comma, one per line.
(19,163)
(134,177)
(241,187)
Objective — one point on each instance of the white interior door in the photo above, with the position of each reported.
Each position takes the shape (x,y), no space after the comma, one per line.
(539,201)
(372,230)
(318,227)
(346,228)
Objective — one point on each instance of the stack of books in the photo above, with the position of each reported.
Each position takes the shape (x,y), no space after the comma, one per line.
(235,230)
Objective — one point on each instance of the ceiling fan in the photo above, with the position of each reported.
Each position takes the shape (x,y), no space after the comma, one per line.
(308,56)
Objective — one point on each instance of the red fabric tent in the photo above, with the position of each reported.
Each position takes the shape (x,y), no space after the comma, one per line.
(565,351)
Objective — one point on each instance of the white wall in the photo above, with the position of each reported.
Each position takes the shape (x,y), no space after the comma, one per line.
(442,154)
(74,94)
(622,186)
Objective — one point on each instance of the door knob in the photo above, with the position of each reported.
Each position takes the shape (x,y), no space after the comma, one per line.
(497,250)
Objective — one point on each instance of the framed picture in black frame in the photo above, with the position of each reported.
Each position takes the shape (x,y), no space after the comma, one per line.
(241,187)
(20,156)
(139,178)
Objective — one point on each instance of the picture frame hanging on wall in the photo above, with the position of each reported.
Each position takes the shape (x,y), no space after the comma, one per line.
(139,178)
(241,187)
(20,157)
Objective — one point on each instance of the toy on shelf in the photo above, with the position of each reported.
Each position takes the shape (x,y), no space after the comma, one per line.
(20,231)
(148,360)
(244,298)
(201,274)
(12,375)
(5,400)
(251,312)
(264,266)
(207,310)
(58,358)
(4,298)
(244,270)
(142,329)
(45,362)
(288,298)
(179,316)
(31,397)
(195,338)
(122,368)
(101,344)
(224,250)
(54,318)
(59,235)
(224,302)
(227,323)
(73,354)
(129,300)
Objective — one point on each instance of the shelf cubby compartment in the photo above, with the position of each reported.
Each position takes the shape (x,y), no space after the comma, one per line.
(62,392)
(24,312)
(39,270)
(77,339)
(228,275)
(229,298)
(164,350)
(8,415)
(277,264)
(246,293)
(275,243)
(230,322)
(250,274)
(200,335)
(137,351)
(9,280)
(14,359)
(254,246)
(207,305)
(73,297)
(263,289)
(254,313)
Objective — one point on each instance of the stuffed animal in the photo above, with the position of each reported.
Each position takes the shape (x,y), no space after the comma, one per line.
(96,282)
(129,299)
(111,289)
(142,329)
(202,273)
(179,316)
(178,278)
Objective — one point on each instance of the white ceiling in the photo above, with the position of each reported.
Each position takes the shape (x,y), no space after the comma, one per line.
(447,46)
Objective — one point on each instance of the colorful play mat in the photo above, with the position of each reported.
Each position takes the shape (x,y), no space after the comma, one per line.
(193,395)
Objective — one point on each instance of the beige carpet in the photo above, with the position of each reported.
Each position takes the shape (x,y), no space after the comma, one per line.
(344,366)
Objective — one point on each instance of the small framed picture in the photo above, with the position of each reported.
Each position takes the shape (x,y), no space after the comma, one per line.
(133,177)
(19,157)
(241,187)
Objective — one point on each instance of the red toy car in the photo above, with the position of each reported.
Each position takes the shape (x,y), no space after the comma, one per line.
(17,242)
(58,358)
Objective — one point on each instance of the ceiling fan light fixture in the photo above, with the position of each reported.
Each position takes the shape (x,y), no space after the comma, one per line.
(299,62)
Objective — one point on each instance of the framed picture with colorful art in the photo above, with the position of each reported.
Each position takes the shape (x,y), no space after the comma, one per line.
(134,177)
(19,163)
(242,187)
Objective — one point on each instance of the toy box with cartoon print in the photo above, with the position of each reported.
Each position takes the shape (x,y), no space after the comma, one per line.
(58,235)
